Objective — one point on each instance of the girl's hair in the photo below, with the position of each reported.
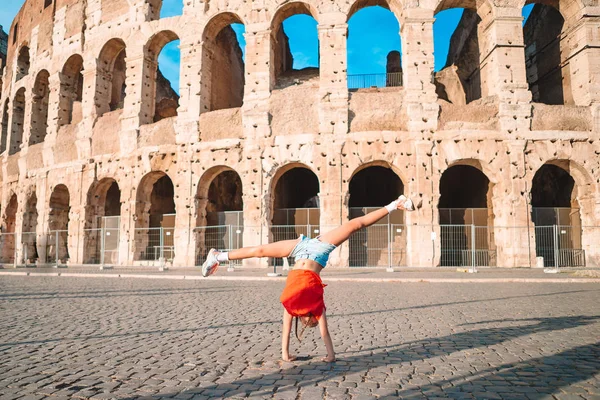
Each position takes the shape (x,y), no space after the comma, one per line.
(304,326)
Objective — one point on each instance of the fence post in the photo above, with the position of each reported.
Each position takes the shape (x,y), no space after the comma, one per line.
(15,249)
(102,248)
(230,265)
(161,244)
(390,268)
(473,249)
(56,248)
(556,247)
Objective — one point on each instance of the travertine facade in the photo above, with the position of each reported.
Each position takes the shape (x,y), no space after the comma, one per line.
(89,129)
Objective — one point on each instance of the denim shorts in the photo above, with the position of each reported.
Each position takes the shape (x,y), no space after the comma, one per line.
(312,249)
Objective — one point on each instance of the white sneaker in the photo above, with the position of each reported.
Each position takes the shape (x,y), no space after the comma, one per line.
(406,203)
(211,265)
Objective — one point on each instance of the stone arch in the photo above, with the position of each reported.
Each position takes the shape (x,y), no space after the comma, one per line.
(556,213)
(465,212)
(368,68)
(395,6)
(111,71)
(58,223)
(215,182)
(102,217)
(29,228)
(71,91)
(546,54)
(4,129)
(459,81)
(23,63)
(159,99)
(18,120)
(219,206)
(222,81)
(281,56)
(155,217)
(9,222)
(39,108)
(372,186)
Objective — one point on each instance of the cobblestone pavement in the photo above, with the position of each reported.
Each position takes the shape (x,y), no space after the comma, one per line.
(105,338)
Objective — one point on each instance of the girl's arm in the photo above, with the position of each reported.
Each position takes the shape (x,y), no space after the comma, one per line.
(285,337)
(326,338)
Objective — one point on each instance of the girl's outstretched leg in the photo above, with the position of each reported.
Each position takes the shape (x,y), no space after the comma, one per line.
(339,235)
(278,250)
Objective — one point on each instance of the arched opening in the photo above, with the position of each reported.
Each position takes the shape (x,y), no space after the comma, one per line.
(162,65)
(29,231)
(222,82)
(168,8)
(373,47)
(110,86)
(294,45)
(219,221)
(372,187)
(556,216)
(155,218)
(102,217)
(457,57)
(18,119)
(295,204)
(58,225)
(71,91)
(4,137)
(466,217)
(23,63)
(7,248)
(546,55)
(39,110)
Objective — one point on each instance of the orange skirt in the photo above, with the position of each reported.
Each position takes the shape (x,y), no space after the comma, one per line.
(303,293)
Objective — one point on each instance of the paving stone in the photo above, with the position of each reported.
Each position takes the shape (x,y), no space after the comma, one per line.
(461,341)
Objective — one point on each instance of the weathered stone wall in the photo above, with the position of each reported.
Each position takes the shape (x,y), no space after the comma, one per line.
(303,119)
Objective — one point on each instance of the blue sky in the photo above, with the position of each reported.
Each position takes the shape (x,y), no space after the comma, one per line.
(373,33)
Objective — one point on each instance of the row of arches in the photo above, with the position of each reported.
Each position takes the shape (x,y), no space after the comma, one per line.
(223,70)
(464,205)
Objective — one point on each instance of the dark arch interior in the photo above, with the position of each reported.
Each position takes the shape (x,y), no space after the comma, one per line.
(546,75)
(29,236)
(162,201)
(224,194)
(297,188)
(463,186)
(374,187)
(59,221)
(7,242)
(112,205)
(552,187)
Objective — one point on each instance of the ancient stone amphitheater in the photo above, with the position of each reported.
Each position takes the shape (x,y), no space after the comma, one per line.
(103,163)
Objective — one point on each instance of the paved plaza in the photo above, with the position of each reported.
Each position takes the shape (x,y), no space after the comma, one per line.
(102,338)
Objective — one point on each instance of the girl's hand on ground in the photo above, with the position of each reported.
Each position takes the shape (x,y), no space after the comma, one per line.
(288,358)
(328,359)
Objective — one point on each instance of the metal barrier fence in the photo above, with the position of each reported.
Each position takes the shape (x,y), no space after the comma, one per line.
(101,246)
(382,245)
(221,237)
(362,81)
(154,244)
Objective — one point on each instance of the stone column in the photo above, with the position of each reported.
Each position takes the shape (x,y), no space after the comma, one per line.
(416,31)
(75,234)
(333,209)
(189,92)
(256,199)
(257,88)
(55,102)
(583,54)
(421,223)
(333,83)
(127,225)
(134,109)
(502,63)
(91,75)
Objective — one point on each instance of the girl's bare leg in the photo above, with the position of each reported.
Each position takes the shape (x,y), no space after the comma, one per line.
(341,234)
(278,250)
